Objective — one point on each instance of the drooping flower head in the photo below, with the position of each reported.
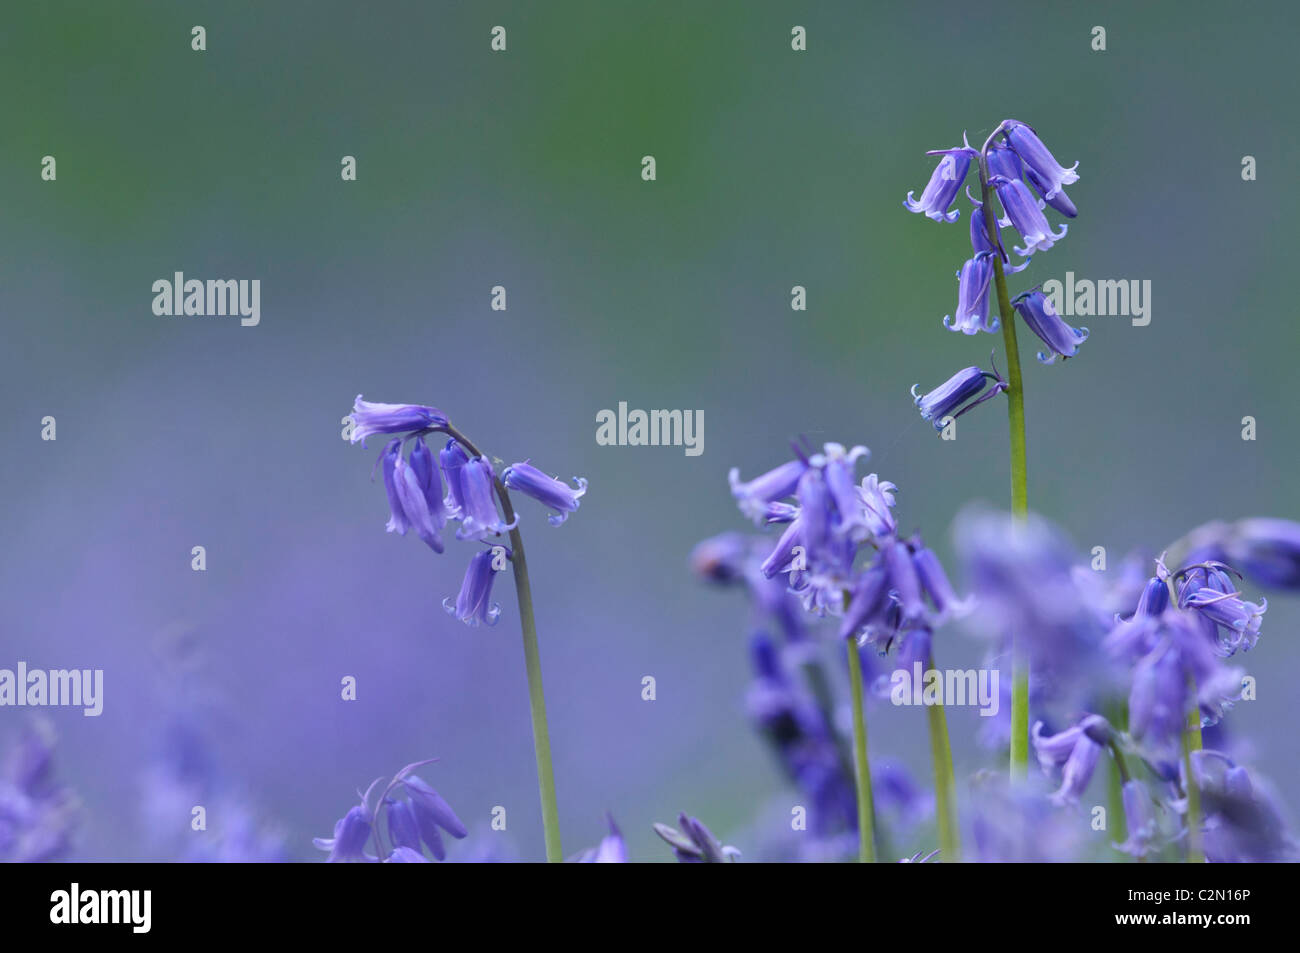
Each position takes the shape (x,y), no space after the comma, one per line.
(1242,821)
(351,832)
(936,200)
(1025,216)
(959,394)
(1075,751)
(474,603)
(1040,316)
(369,418)
(548,491)
(413,494)
(1038,159)
(1265,550)
(973,283)
(479,518)
(754,497)
(1173,651)
(412,823)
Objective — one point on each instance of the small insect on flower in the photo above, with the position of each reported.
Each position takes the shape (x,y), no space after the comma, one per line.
(1061,339)
(548,491)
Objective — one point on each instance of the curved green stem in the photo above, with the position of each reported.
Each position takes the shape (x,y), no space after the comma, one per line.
(862,769)
(533,665)
(945,793)
(1019,480)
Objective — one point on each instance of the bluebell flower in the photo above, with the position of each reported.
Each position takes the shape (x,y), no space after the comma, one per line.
(1003,161)
(1140,821)
(980,239)
(1176,657)
(1242,822)
(782,555)
(406,855)
(1154,599)
(1025,216)
(1060,201)
(973,283)
(904,581)
(37,815)
(869,602)
(1038,158)
(474,603)
(1209,592)
(388,462)
(1061,339)
(802,740)
(548,491)
(431,814)
(611,850)
(1075,751)
(944,183)
(478,509)
(426,801)
(413,497)
(735,559)
(372,418)
(876,499)
(956,395)
(351,832)
(837,465)
(1266,550)
(1226,610)
(429,480)
(453,459)
(402,827)
(934,580)
(776,484)
(694,843)
(816,513)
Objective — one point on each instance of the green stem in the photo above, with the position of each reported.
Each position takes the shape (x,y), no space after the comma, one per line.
(1192,742)
(533,665)
(862,770)
(1019,479)
(945,795)
(1118,775)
